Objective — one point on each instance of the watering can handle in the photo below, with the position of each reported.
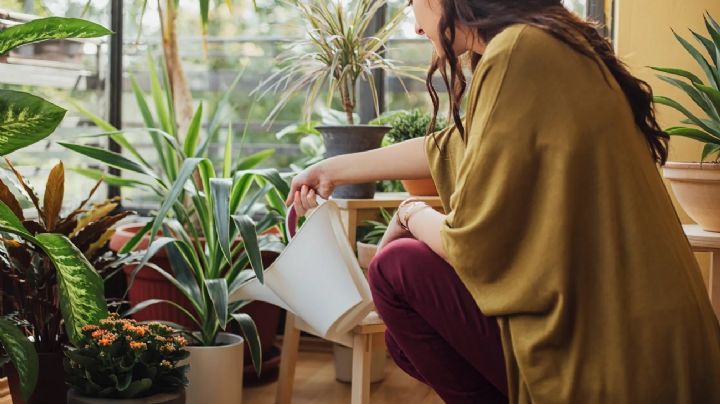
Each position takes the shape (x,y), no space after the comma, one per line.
(291,218)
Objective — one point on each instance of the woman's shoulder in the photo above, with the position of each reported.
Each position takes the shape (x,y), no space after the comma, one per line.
(523,41)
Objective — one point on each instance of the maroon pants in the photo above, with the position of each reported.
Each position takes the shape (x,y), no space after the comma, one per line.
(435,331)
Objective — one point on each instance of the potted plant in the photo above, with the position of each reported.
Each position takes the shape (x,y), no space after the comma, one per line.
(337,53)
(32,286)
(409,125)
(121,361)
(40,265)
(697,185)
(213,247)
(366,249)
(173,149)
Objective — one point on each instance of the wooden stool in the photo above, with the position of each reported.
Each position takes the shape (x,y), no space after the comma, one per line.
(706,241)
(368,337)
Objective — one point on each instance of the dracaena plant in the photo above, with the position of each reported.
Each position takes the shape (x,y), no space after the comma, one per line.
(78,291)
(337,53)
(704,93)
(205,214)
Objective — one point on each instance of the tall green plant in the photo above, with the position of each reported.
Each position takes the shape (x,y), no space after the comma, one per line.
(337,53)
(705,94)
(206,213)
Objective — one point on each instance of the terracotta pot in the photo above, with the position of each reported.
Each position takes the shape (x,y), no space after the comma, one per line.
(162,398)
(366,252)
(697,188)
(149,284)
(216,372)
(421,187)
(51,380)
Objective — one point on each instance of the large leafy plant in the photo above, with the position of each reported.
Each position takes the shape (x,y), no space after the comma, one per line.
(29,279)
(120,358)
(337,52)
(705,94)
(205,215)
(24,120)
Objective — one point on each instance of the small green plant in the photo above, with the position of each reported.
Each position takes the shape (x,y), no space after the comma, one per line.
(407,125)
(120,358)
(705,94)
(377,228)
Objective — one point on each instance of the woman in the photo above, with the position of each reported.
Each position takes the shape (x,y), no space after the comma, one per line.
(560,273)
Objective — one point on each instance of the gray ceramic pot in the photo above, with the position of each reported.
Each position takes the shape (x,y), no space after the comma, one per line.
(352,139)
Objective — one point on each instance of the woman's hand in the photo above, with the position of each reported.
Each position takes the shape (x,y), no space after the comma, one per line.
(393,232)
(306,185)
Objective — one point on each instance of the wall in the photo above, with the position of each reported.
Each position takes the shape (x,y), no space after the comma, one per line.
(643,38)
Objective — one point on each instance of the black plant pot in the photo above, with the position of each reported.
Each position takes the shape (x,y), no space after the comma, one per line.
(352,139)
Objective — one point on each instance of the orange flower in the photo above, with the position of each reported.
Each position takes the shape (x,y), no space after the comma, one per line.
(105,341)
(138,345)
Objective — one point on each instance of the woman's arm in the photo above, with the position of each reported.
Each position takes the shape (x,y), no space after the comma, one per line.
(425,225)
(405,160)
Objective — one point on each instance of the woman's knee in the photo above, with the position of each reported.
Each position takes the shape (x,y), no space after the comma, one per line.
(395,258)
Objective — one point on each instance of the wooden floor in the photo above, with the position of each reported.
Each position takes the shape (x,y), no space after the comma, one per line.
(315,383)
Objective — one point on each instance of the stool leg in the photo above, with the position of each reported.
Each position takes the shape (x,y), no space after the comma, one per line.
(288,360)
(361,369)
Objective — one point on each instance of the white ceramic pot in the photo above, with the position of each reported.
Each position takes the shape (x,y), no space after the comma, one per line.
(697,188)
(343,364)
(216,372)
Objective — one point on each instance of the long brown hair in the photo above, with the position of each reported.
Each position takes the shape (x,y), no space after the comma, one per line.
(489,17)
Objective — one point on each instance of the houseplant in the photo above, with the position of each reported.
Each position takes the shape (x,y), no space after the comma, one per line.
(208,259)
(337,53)
(59,276)
(697,185)
(121,361)
(32,287)
(366,248)
(409,125)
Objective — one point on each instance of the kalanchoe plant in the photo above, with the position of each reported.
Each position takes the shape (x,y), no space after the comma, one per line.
(705,94)
(120,358)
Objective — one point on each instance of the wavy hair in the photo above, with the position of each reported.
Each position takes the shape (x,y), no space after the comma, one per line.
(489,17)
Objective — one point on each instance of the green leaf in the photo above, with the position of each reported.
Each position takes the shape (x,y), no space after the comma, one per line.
(99,122)
(253,160)
(218,291)
(193,133)
(110,158)
(693,93)
(22,355)
(49,28)
(249,330)
(185,173)
(694,119)
(135,239)
(714,97)
(708,149)
(150,302)
(249,235)
(82,298)
(679,72)
(26,119)
(96,174)
(161,109)
(227,161)
(220,188)
(713,76)
(692,133)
